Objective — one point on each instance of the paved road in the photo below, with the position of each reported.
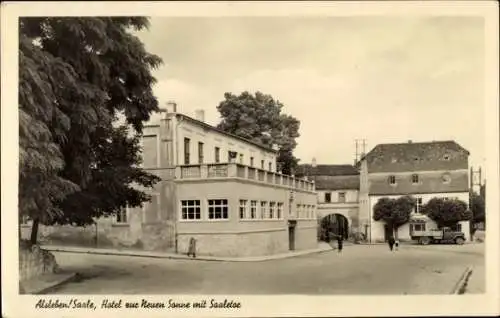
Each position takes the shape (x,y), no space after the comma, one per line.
(358,270)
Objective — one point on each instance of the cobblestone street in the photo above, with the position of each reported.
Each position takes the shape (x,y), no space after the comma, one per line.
(358,270)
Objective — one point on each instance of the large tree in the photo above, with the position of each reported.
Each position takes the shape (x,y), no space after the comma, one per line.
(447,212)
(76,75)
(259,118)
(394,212)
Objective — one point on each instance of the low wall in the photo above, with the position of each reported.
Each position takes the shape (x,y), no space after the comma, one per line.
(236,244)
(34,261)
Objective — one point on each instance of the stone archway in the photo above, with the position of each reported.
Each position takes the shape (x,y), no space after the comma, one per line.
(335,223)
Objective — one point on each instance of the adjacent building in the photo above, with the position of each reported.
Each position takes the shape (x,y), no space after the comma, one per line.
(423,170)
(220,189)
(337,187)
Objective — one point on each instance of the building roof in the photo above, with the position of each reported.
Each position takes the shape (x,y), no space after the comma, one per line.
(347,182)
(415,156)
(208,126)
(327,170)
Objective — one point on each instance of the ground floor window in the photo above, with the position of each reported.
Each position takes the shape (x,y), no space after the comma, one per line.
(253,209)
(263,206)
(191,209)
(122,216)
(218,209)
(243,209)
(279,211)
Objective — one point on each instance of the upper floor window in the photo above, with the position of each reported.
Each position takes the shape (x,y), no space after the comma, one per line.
(414,178)
(342,197)
(190,210)
(270,166)
(279,211)
(251,161)
(271,209)
(217,154)
(263,205)
(328,197)
(241,158)
(218,209)
(200,152)
(187,144)
(253,209)
(392,179)
(262,164)
(243,209)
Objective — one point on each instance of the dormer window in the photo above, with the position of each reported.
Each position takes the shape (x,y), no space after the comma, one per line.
(414,179)
(392,180)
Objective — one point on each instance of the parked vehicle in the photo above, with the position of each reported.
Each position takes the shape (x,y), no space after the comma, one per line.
(419,233)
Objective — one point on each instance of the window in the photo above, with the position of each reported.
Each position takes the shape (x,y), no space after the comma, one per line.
(279,211)
(231,156)
(251,161)
(418,205)
(272,206)
(263,205)
(121,216)
(328,197)
(243,209)
(314,211)
(299,211)
(419,227)
(253,209)
(342,197)
(262,164)
(24,219)
(200,152)
(414,178)
(186,150)
(241,158)
(218,209)
(392,179)
(191,209)
(217,154)
(446,178)
(270,166)
(446,157)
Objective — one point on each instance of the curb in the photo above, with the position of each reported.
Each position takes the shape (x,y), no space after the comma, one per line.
(183,257)
(459,288)
(69,278)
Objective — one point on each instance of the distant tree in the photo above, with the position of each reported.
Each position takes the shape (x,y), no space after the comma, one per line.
(447,212)
(258,118)
(394,212)
(478,207)
(75,76)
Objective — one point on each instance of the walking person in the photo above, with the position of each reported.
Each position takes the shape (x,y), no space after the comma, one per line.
(340,243)
(396,245)
(192,247)
(391,242)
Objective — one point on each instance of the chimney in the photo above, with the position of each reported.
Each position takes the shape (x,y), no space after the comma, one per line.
(409,141)
(313,163)
(200,115)
(172,106)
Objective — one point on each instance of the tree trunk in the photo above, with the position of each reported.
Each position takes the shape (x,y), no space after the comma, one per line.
(395,232)
(34,231)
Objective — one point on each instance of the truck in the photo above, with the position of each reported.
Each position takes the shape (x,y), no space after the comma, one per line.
(419,233)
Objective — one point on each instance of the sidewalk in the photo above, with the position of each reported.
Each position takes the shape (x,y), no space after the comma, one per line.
(322,247)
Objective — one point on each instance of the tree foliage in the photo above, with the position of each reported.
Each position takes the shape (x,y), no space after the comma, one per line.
(75,76)
(394,212)
(447,212)
(259,118)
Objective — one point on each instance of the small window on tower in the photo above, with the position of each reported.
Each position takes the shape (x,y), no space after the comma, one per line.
(414,178)
(392,180)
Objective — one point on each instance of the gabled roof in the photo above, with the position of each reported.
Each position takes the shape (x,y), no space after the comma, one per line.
(327,170)
(434,155)
(347,182)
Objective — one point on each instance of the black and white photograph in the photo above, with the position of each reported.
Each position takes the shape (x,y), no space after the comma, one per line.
(170,161)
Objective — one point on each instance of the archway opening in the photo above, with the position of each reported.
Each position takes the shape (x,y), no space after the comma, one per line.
(333,225)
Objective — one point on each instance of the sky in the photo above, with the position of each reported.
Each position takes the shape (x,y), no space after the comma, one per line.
(382,79)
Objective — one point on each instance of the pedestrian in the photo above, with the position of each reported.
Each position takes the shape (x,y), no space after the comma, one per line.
(340,242)
(192,247)
(396,245)
(391,242)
